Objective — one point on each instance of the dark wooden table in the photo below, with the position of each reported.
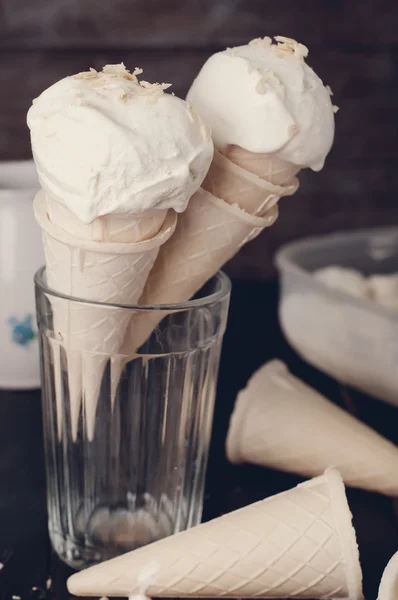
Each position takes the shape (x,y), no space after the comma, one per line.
(253,337)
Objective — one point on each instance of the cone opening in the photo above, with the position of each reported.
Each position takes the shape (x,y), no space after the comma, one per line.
(388,589)
(220,283)
(346,532)
(114,248)
(280,190)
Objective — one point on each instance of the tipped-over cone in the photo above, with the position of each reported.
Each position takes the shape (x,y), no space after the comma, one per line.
(300,544)
(282,423)
(388,589)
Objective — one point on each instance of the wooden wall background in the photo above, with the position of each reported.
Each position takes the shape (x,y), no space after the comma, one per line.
(353,46)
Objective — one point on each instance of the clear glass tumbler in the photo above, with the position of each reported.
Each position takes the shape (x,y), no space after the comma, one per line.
(127,434)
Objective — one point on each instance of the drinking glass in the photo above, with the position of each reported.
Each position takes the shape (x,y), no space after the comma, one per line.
(128,467)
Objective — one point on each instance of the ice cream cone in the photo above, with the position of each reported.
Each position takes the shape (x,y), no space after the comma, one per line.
(388,588)
(219,220)
(299,544)
(282,423)
(107,261)
(208,234)
(267,166)
(232,208)
(237,185)
(249,179)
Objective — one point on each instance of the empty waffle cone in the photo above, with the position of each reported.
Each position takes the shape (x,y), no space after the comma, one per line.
(282,423)
(233,206)
(107,261)
(388,589)
(299,544)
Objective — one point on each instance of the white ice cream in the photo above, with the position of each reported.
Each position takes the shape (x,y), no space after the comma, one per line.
(264,98)
(146,578)
(107,143)
(382,289)
(349,281)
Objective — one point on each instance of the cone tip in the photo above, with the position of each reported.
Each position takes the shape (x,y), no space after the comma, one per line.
(343,520)
(389,582)
(78,585)
(91,582)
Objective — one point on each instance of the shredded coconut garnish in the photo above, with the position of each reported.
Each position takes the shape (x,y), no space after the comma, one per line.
(191,111)
(231,51)
(270,77)
(335,109)
(329,90)
(205,130)
(48,583)
(120,70)
(261,87)
(265,41)
(153,86)
(113,74)
(283,47)
(153,90)
(288,46)
(91,74)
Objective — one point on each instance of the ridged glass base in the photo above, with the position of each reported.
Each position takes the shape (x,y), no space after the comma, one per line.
(108,532)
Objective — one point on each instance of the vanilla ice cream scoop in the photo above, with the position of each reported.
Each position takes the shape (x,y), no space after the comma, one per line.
(107,143)
(264,98)
(349,281)
(383,289)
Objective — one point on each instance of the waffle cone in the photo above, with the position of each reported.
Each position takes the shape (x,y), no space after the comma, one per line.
(267,166)
(107,261)
(282,423)
(248,179)
(299,544)
(389,581)
(208,234)
(232,207)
